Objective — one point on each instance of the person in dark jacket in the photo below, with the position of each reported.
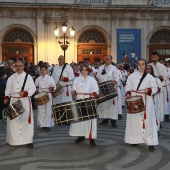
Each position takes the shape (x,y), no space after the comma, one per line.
(2,90)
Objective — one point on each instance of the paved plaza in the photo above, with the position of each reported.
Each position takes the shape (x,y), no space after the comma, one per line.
(56,150)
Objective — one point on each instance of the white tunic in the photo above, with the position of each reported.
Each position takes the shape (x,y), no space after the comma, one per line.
(84,85)
(44,116)
(108,109)
(123,80)
(19,130)
(68,72)
(135,133)
(118,98)
(157,101)
(160,70)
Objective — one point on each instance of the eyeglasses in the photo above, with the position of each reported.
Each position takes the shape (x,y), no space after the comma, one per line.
(19,65)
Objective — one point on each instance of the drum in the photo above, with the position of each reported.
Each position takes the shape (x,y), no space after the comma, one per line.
(106,91)
(135,104)
(14,110)
(75,111)
(59,89)
(42,98)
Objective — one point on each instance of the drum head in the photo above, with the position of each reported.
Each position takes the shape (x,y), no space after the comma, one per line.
(40,94)
(133,98)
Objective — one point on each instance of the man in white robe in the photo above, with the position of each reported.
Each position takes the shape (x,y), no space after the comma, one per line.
(123,83)
(108,109)
(160,71)
(142,127)
(65,81)
(20,130)
(45,83)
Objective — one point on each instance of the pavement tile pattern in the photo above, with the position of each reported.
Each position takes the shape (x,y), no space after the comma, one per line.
(56,150)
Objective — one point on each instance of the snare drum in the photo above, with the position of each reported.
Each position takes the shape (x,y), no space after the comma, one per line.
(14,110)
(75,111)
(42,98)
(106,91)
(59,89)
(135,104)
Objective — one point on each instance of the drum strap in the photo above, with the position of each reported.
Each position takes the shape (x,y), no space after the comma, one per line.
(22,89)
(143,76)
(64,66)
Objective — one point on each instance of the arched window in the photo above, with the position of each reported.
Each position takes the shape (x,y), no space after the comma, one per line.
(91,35)
(18,34)
(162,36)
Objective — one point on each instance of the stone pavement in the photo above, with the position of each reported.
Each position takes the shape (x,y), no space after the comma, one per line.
(56,150)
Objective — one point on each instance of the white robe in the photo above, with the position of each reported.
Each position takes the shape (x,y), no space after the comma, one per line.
(118,98)
(44,116)
(84,85)
(135,133)
(107,109)
(68,72)
(19,131)
(158,103)
(160,70)
(124,76)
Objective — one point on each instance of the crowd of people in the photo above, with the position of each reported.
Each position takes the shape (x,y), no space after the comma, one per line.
(22,81)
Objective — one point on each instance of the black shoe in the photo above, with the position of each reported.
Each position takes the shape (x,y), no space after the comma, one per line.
(104,122)
(92,142)
(158,133)
(114,125)
(47,129)
(167,118)
(30,145)
(160,126)
(80,139)
(43,127)
(120,116)
(151,148)
(134,144)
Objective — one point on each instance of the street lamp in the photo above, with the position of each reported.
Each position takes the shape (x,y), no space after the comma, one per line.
(64,44)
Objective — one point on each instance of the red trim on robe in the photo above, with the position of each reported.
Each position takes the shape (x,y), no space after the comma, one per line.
(94,94)
(149,91)
(25,94)
(66,79)
(6,97)
(76,74)
(128,93)
(90,70)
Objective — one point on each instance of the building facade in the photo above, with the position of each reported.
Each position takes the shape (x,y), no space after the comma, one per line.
(27,29)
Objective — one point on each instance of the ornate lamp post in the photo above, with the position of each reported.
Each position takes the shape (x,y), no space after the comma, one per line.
(64,44)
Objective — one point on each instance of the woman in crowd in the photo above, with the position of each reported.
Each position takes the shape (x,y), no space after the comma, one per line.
(142,127)
(84,87)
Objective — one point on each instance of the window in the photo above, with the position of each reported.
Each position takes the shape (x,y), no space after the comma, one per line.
(89,35)
(160,36)
(18,51)
(163,51)
(20,34)
(92,51)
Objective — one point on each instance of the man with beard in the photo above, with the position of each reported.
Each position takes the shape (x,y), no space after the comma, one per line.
(160,71)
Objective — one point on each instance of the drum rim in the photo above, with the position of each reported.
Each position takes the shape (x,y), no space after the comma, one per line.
(45,93)
(140,97)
